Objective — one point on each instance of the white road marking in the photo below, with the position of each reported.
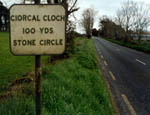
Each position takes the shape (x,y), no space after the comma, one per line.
(112,75)
(128,104)
(141,62)
(105,63)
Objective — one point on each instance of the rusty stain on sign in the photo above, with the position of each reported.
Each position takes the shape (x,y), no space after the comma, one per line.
(36,30)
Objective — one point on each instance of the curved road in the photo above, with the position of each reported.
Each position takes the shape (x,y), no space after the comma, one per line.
(129,76)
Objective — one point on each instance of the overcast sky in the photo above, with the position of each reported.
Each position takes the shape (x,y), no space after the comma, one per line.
(104,7)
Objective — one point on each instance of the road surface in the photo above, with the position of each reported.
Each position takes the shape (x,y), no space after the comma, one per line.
(129,76)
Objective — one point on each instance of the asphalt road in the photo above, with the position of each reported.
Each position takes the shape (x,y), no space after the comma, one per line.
(129,78)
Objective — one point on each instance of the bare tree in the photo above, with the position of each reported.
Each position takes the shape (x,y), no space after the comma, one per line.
(126,15)
(71,7)
(134,16)
(87,21)
(142,21)
(69,4)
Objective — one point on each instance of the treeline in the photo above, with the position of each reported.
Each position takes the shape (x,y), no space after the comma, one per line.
(109,29)
(4,18)
(132,19)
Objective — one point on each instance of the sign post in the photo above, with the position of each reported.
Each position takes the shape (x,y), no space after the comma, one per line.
(38,87)
(37,30)
(38,81)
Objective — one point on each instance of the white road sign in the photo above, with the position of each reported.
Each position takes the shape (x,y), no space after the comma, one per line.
(37,29)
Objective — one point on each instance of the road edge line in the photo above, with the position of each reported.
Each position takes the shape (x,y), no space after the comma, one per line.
(128,104)
(113,102)
(112,75)
(106,64)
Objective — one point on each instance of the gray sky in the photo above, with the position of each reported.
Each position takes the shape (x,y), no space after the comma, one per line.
(104,7)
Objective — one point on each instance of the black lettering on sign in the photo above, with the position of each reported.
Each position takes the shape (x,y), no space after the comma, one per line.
(44,18)
(32,30)
(48,42)
(24,18)
(19,18)
(12,18)
(46,30)
(15,43)
(61,42)
(29,18)
(35,18)
(19,42)
(24,43)
(52,42)
(53,18)
(29,30)
(57,42)
(41,42)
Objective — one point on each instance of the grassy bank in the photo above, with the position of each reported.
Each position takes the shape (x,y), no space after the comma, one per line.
(11,66)
(75,86)
(70,87)
(143,46)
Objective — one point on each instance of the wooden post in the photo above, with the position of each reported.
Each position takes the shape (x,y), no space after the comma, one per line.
(37,1)
(38,86)
(38,80)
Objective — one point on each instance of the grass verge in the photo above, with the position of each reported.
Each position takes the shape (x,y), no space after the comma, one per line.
(12,67)
(75,86)
(72,86)
(143,46)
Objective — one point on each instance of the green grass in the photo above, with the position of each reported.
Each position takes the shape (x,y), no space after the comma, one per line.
(143,46)
(12,67)
(71,86)
(75,86)
(18,106)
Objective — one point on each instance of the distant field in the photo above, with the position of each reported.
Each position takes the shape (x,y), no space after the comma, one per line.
(72,86)
(11,66)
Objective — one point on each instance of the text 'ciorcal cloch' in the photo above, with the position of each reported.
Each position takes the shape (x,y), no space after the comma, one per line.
(37,29)
(42,30)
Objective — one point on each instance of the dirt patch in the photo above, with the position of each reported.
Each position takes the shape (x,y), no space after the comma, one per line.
(23,85)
